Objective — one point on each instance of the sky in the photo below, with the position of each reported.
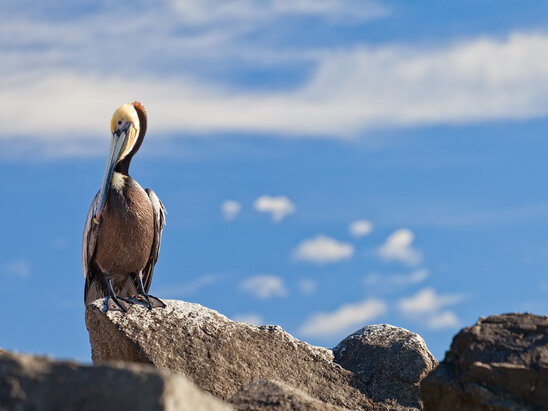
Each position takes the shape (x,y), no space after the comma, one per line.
(325,164)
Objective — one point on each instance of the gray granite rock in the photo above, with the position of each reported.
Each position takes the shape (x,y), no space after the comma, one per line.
(389,363)
(219,355)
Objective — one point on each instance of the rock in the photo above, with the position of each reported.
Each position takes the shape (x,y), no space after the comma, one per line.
(389,363)
(217,354)
(274,395)
(38,383)
(501,363)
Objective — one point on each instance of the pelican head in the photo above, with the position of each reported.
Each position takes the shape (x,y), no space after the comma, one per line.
(127,133)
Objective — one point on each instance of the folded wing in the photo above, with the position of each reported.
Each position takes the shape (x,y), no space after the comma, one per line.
(159,223)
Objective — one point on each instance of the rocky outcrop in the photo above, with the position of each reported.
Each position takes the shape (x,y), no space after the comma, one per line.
(500,363)
(219,355)
(38,383)
(274,395)
(389,363)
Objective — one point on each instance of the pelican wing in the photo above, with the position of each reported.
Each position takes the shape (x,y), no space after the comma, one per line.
(89,242)
(159,223)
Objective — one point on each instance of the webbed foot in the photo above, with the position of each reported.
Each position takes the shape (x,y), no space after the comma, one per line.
(148,301)
(143,298)
(117,303)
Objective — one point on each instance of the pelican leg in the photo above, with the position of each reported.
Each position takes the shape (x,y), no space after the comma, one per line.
(142,292)
(151,301)
(113,296)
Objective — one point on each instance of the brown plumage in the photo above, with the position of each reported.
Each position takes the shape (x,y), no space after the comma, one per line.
(124,225)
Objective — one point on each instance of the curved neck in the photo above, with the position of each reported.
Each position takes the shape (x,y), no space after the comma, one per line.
(123,166)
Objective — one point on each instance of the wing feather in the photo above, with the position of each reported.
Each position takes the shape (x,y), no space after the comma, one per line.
(89,242)
(159,223)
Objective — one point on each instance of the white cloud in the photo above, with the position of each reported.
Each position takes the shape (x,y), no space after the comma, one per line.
(427,301)
(427,307)
(307,286)
(249,318)
(16,268)
(415,277)
(279,207)
(264,286)
(360,228)
(230,209)
(322,250)
(397,247)
(343,319)
(207,12)
(67,88)
(445,319)
(391,280)
(192,287)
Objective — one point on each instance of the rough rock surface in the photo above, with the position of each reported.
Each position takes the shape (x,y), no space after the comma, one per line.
(389,363)
(274,395)
(217,354)
(38,383)
(501,363)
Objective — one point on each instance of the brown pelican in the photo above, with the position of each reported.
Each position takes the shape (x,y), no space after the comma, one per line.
(124,223)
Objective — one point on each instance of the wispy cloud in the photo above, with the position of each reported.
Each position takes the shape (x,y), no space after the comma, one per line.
(279,207)
(426,307)
(209,12)
(230,209)
(398,247)
(427,301)
(322,250)
(463,216)
(307,286)
(48,66)
(343,319)
(395,280)
(264,286)
(249,318)
(16,268)
(445,319)
(192,287)
(360,228)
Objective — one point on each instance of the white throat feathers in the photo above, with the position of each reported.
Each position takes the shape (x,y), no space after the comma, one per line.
(118,181)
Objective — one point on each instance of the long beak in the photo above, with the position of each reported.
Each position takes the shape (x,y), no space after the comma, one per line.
(117,145)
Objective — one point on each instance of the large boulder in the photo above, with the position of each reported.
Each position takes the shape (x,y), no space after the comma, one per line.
(389,363)
(501,363)
(219,355)
(38,383)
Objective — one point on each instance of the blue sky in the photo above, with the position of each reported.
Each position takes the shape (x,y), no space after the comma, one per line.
(325,164)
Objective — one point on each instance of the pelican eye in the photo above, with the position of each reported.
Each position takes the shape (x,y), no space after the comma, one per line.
(120,122)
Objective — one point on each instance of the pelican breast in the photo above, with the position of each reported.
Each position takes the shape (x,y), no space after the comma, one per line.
(126,233)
